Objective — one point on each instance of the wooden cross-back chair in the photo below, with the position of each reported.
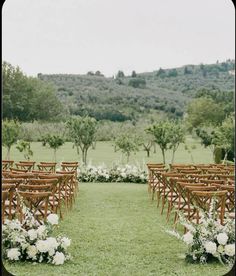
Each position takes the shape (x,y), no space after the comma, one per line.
(155,180)
(25,165)
(5,173)
(7,164)
(57,197)
(16,170)
(47,166)
(68,187)
(185,203)
(72,167)
(9,204)
(167,187)
(203,200)
(37,202)
(230,198)
(175,167)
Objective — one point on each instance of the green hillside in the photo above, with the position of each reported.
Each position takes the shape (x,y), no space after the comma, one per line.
(138,96)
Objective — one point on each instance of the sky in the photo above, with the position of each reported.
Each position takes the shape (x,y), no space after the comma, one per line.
(77,36)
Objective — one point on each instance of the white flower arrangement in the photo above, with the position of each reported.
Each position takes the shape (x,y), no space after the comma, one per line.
(31,241)
(209,239)
(117,173)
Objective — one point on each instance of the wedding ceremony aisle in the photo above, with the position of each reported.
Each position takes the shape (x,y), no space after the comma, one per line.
(115,229)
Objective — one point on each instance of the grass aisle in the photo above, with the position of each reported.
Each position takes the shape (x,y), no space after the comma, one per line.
(115,230)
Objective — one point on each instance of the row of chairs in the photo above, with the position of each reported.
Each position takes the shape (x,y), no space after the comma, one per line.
(184,186)
(43,191)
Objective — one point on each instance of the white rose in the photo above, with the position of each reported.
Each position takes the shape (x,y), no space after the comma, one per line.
(42,246)
(210,247)
(32,234)
(65,242)
(53,219)
(13,254)
(188,238)
(59,258)
(52,243)
(230,249)
(222,238)
(41,230)
(32,251)
(51,252)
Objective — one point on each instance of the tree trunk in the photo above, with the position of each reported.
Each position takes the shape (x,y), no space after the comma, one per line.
(173,156)
(163,155)
(154,148)
(148,152)
(8,153)
(225,157)
(55,155)
(128,157)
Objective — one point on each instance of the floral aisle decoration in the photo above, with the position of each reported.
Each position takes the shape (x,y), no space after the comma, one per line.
(208,240)
(31,241)
(127,173)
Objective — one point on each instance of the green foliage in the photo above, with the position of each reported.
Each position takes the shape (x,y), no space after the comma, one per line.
(173,73)
(127,143)
(177,136)
(24,146)
(26,98)
(162,135)
(54,142)
(224,136)
(82,131)
(133,75)
(204,111)
(10,133)
(120,74)
(161,73)
(137,83)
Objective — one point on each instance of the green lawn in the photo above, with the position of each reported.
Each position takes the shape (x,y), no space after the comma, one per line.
(104,153)
(116,230)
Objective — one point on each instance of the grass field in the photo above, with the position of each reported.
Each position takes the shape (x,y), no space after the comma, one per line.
(116,230)
(104,153)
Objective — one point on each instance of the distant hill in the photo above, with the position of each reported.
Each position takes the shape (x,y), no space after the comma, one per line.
(140,95)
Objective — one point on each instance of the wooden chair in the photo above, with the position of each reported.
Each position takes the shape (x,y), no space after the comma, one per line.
(47,166)
(14,170)
(9,206)
(72,167)
(25,165)
(37,202)
(155,182)
(167,186)
(7,164)
(230,199)
(203,200)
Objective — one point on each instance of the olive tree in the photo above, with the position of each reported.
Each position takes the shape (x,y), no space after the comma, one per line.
(10,134)
(127,144)
(24,147)
(162,136)
(54,142)
(224,136)
(177,136)
(82,131)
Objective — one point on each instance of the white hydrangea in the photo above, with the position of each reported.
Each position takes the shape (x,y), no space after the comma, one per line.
(42,246)
(222,238)
(58,258)
(65,242)
(188,238)
(13,254)
(210,247)
(32,251)
(41,230)
(53,219)
(230,250)
(52,243)
(32,234)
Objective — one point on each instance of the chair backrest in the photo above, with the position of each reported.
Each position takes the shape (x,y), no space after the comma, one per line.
(203,200)
(25,165)
(37,202)
(47,166)
(7,164)
(15,170)
(34,187)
